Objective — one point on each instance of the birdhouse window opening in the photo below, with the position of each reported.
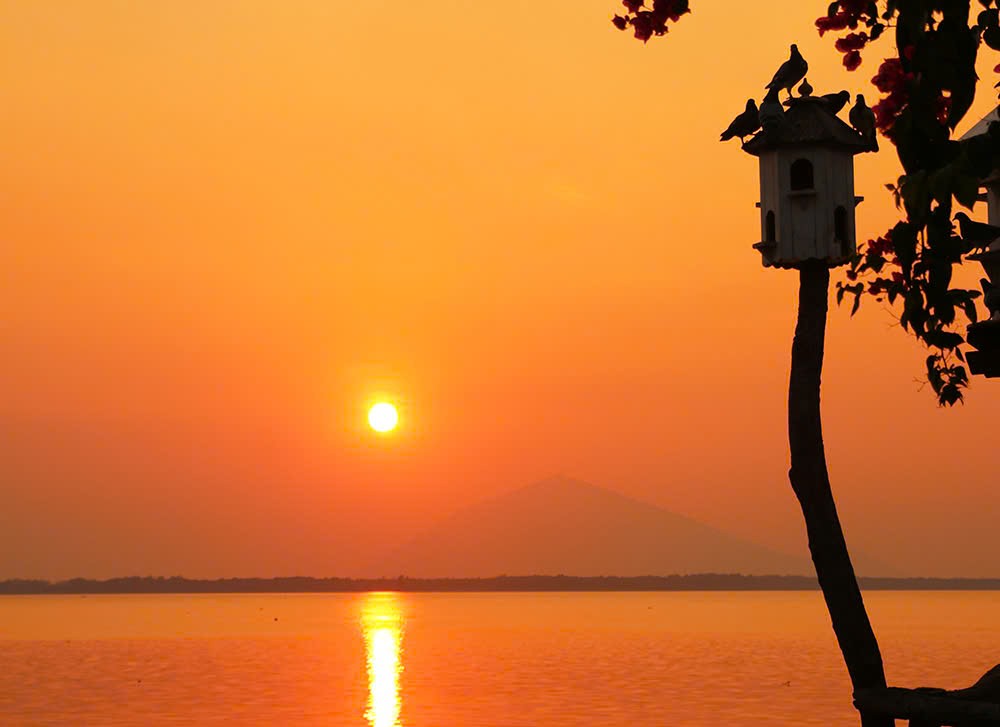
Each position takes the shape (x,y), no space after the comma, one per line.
(840,232)
(770,234)
(802,175)
(840,225)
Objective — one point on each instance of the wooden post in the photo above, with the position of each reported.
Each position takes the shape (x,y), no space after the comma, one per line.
(811,483)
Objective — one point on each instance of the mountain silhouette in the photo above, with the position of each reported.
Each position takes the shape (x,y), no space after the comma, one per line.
(564,526)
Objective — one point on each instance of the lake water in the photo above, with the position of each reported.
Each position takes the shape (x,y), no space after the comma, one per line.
(443,660)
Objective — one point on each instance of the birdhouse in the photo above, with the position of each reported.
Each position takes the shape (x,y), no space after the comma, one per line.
(807,186)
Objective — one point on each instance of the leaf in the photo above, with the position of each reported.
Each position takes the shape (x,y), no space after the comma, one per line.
(934,377)
(966,189)
(904,241)
(945,340)
(991,37)
(950,395)
(940,183)
(916,193)
(971,312)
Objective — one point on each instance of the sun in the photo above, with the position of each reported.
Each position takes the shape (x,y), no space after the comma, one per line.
(383,417)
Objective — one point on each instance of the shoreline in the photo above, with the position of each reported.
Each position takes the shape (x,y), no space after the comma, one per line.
(499,584)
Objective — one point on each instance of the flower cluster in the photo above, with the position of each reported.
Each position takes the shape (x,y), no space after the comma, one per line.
(840,21)
(850,45)
(647,22)
(893,81)
(872,259)
(849,14)
(881,246)
(896,82)
(891,285)
(843,14)
(870,264)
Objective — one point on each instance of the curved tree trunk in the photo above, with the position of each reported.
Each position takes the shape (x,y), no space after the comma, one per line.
(811,484)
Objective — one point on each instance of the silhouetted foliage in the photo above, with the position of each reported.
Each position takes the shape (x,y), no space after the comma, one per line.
(927,84)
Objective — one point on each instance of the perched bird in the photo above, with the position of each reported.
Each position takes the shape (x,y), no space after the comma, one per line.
(863,120)
(745,124)
(991,297)
(771,115)
(834,102)
(976,235)
(791,72)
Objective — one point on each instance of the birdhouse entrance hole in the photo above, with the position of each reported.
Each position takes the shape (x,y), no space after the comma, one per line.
(840,229)
(770,233)
(802,175)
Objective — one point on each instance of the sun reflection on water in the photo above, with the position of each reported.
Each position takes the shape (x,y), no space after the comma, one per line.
(382,624)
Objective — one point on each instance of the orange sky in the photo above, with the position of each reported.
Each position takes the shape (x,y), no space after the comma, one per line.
(226,226)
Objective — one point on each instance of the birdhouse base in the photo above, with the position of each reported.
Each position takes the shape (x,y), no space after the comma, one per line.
(768,248)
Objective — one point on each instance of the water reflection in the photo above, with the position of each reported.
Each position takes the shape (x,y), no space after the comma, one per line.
(382,624)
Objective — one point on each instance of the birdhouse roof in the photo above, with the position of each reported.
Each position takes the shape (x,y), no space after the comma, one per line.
(808,122)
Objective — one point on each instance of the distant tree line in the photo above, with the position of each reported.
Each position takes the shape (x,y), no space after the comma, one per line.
(302,584)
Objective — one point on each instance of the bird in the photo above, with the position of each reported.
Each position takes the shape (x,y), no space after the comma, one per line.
(791,72)
(745,124)
(991,297)
(771,115)
(976,235)
(863,120)
(834,102)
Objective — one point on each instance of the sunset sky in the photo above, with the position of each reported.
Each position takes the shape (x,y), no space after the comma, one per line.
(228,228)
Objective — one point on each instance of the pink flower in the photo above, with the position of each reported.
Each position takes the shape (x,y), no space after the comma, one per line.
(852,59)
(851,41)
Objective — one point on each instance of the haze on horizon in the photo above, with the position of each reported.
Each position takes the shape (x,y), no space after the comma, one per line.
(228,227)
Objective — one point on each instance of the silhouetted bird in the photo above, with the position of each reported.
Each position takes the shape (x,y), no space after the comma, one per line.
(772,115)
(863,120)
(834,102)
(991,297)
(976,235)
(745,124)
(791,72)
